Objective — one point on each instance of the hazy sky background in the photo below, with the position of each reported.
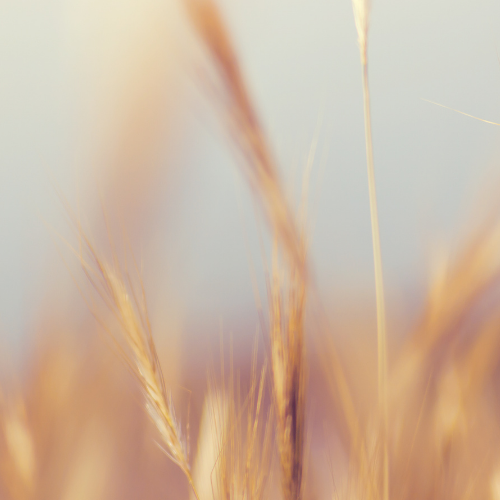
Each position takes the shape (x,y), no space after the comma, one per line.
(66,70)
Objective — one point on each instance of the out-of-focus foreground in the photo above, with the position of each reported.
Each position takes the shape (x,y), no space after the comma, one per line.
(113,402)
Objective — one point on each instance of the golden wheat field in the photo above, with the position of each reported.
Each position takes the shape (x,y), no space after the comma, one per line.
(113,394)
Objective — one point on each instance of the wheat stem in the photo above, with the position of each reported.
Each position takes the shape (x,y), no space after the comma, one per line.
(379,282)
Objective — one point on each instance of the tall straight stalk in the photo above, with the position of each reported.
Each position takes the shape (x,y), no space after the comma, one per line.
(379,280)
(361,10)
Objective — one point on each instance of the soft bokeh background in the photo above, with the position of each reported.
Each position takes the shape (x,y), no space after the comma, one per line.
(109,97)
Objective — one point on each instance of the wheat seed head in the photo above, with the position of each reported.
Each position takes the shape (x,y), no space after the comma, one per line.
(362,10)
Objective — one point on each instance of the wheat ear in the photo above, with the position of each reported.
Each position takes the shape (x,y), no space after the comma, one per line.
(136,345)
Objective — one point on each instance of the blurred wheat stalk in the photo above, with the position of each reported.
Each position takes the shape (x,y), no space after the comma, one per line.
(286,331)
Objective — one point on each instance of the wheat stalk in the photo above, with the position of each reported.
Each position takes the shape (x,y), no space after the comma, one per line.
(287,340)
(362,18)
(245,129)
(288,364)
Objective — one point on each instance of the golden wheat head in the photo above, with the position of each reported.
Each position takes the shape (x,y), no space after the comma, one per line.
(137,347)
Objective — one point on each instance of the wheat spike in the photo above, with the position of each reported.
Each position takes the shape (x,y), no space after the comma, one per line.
(129,307)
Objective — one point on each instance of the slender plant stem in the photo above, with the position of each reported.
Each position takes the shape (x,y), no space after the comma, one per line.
(191,483)
(379,284)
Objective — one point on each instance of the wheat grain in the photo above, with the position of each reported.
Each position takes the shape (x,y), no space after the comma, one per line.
(129,307)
